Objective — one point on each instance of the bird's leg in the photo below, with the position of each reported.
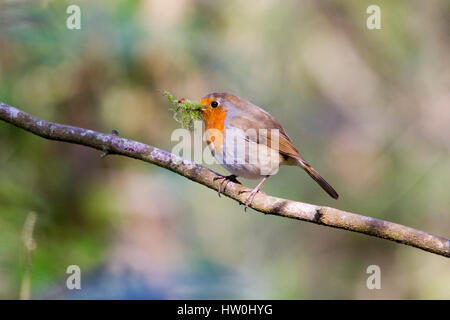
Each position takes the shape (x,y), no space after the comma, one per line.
(253,192)
(225,180)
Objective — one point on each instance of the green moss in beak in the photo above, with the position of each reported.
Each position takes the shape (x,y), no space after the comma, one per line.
(184,111)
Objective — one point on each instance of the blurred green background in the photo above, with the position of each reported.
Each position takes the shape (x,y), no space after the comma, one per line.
(369,109)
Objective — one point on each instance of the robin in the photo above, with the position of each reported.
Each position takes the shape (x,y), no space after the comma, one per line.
(231,121)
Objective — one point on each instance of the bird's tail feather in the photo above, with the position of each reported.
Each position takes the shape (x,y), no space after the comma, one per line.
(316,176)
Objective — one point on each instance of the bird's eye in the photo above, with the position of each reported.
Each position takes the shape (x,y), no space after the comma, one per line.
(214,104)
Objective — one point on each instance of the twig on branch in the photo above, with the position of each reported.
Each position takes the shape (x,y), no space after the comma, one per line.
(113,144)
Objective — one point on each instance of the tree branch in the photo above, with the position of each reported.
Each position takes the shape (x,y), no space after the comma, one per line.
(113,144)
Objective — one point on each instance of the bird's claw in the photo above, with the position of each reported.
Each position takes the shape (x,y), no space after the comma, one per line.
(250,198)
(225,180)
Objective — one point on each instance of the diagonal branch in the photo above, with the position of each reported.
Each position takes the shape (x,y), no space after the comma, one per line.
(113,144)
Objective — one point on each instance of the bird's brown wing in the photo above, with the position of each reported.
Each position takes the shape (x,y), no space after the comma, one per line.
(266,121)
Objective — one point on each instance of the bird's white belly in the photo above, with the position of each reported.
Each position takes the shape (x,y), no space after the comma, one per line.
(247,159)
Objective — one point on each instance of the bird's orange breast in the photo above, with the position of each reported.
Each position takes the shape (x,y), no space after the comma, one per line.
(214,119)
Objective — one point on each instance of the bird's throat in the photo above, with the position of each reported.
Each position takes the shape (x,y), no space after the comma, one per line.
(215,126)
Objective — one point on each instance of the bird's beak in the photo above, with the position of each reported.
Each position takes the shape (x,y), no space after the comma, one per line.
(204,103)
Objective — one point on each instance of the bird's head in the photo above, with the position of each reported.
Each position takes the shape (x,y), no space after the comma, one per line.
(215,108)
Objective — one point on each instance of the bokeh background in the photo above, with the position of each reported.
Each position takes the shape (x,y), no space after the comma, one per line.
(370,109)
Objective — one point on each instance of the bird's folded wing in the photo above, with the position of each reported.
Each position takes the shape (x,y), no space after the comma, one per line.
(268,123)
